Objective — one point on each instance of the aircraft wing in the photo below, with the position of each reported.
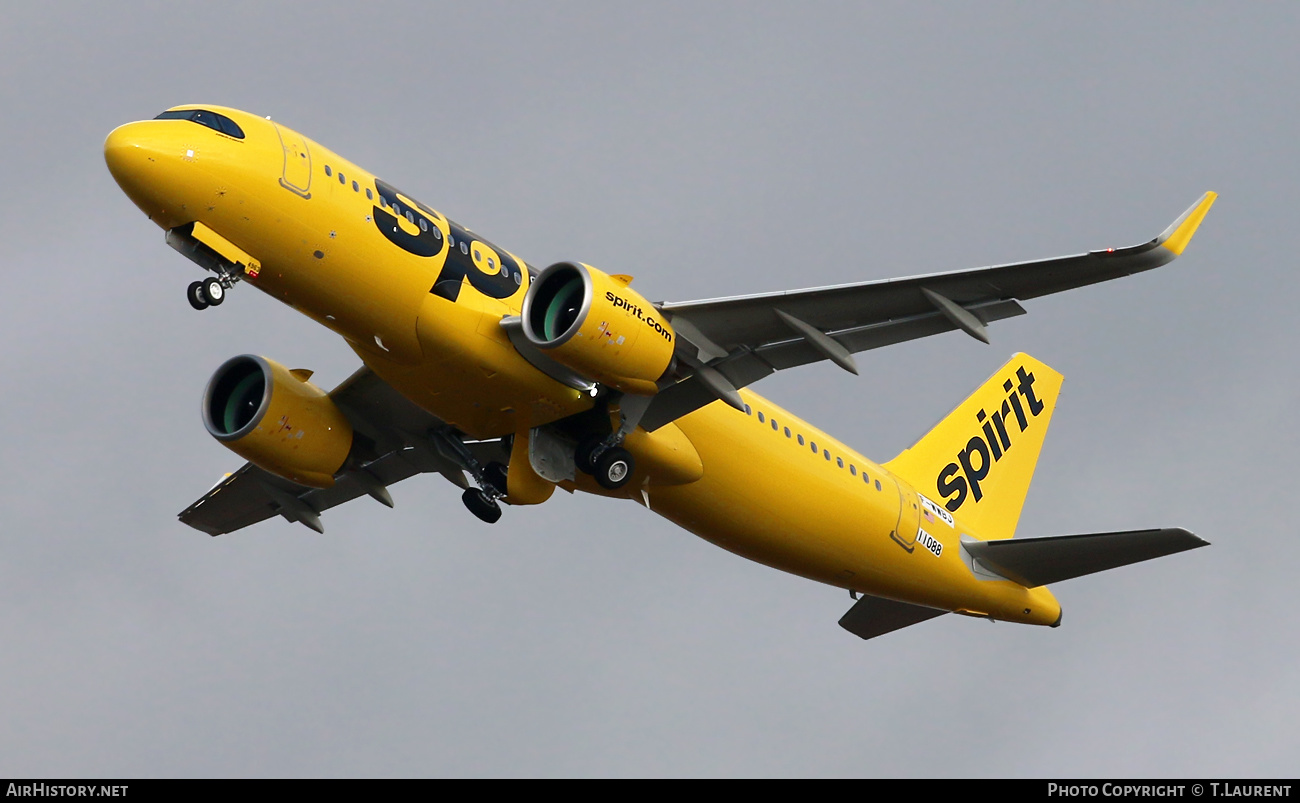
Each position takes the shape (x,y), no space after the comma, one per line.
(736,341)
(395,447)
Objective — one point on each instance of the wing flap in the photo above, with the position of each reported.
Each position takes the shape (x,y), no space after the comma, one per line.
(745,367)
(251,495)
(1034,562)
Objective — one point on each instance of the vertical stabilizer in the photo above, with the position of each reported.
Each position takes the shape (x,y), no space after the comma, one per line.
(979,460)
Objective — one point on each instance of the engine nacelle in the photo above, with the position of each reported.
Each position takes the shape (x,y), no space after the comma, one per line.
(593,323)
(277,420)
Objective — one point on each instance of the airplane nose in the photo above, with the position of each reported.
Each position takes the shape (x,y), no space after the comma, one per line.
(124,155)
(136,159)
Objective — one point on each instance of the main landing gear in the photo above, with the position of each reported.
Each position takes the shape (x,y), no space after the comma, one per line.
(482,501)
(481,504)
(206,293)
(610,465)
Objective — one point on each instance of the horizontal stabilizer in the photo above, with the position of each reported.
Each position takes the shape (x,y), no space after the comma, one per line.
(876,616)
(1034,562)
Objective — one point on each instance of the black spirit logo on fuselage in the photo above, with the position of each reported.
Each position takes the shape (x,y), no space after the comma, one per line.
(429,242)
(963,476)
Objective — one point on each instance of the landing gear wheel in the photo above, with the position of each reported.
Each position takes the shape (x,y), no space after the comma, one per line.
(213,291)
(614,468)
(495,474)
(582,455)
(197,298)
(481,505)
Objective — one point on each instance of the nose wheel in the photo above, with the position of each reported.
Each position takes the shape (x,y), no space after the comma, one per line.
(206,293)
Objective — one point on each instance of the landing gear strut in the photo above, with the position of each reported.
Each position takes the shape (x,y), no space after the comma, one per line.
(605,460)
(604,456)
(481,501)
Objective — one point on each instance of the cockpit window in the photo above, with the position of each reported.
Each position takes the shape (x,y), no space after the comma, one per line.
(217,122)
(230,127)
(206,118)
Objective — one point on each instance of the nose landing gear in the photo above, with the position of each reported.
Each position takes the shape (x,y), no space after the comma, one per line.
(206,293)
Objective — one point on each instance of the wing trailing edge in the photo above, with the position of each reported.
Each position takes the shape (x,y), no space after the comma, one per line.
(745,338)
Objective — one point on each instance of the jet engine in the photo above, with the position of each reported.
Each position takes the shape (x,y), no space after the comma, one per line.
(277,420)
(595,324)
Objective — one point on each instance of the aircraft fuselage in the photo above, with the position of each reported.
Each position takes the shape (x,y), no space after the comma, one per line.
(420,299)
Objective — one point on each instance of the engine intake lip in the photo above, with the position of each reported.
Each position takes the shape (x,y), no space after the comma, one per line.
(555,285)
(236,398)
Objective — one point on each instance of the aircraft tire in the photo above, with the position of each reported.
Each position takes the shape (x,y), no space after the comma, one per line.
(614,468)
(213,292)
(582,456)
(480,505)
(196,296)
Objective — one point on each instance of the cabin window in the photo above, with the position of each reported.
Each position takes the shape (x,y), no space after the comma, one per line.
(410,217)
(827,452)
(814,446)
(878,488)
(370,196)
(801,440)
(787,432)
(749,410)
(424,224)
(342,179)
(328,172)
(774,426)
(853,470)
(437,233)
(761,419)
(356,187)
(464,247)
(839,461)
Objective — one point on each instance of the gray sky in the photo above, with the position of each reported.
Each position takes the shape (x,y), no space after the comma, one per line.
(709,149)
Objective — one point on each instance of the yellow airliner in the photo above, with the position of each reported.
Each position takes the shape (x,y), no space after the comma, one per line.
(511,381)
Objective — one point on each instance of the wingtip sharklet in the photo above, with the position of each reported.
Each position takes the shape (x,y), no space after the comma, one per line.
(1179,234)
